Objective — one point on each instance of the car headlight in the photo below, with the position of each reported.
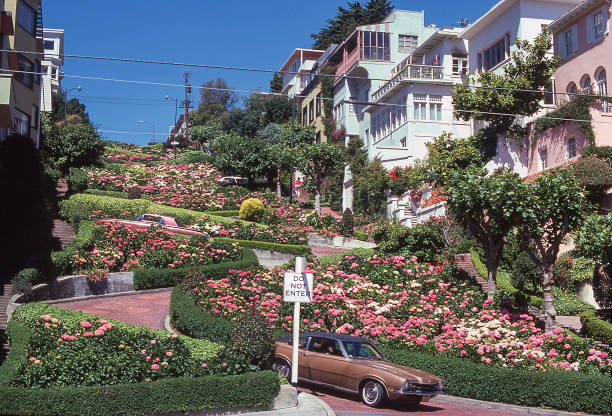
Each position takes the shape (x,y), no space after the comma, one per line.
(407,386)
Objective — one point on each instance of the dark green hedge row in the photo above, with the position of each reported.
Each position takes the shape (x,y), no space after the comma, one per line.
(360,235)
(157,278)
(595,328)
(18,334)
(191,320)
(298,250)
(232,213)
(576,392)
(100,192)
(362,253)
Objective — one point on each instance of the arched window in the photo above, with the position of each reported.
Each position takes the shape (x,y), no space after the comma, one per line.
(571,89)
(585,83)
(602,87)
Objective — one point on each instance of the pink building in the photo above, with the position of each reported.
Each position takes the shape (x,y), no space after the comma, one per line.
(582,41)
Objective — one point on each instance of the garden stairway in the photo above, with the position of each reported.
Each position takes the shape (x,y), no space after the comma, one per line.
(62,231)
(465,263)
(5,295)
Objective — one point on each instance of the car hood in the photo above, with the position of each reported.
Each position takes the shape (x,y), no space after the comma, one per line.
(408,373)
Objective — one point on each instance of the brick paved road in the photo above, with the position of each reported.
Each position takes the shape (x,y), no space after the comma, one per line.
(147,309)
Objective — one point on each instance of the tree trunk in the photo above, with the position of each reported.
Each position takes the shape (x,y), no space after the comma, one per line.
(550,314)
(492,275)
(278,183)
(317,204)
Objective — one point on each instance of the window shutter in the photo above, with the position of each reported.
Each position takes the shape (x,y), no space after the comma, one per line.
(562,46)
(575,46)
(590,23)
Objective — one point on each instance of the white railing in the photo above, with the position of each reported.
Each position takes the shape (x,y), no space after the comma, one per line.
(410,72)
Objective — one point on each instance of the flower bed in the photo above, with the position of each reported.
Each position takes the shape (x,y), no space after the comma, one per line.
(405,304)
(116,247)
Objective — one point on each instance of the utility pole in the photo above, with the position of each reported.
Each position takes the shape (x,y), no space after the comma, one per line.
(186,103)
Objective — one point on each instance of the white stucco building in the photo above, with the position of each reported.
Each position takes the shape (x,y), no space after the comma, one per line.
(53,45)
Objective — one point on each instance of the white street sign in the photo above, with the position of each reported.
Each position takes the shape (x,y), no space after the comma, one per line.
(298,287)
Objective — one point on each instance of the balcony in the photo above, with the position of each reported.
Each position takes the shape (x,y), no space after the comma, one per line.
(410,72)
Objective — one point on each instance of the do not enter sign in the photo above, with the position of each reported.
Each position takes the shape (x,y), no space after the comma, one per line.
(298,287)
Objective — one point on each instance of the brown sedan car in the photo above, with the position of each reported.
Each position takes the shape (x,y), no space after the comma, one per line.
(354,365)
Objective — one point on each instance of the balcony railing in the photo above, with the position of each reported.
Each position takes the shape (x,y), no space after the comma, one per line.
(411,72)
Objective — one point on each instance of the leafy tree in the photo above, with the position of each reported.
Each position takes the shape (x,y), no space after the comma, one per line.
(203,134)
(448,155)
(369,189)
(317,161)
(73,107)
(553,207)
(257,113)
(355,156)
(489,206)
(240,155)
(276,83)
(216,99)
(594,240)
(530,68)
(595,175)
(345,21)
(70,146)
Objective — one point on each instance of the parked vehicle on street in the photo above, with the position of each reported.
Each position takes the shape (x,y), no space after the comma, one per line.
(354,365)
(145,221)
(233,180)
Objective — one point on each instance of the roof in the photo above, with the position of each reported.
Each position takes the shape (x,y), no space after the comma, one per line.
(435,38)
(328,335)
(572,13)
(533,177)
(498,10)
(307,53)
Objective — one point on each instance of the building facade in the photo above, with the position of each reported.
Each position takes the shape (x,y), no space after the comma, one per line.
(20,30)
(53,45)
(296,72)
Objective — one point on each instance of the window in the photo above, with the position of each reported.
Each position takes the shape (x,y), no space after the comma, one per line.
(54,71)
(420,106)
(25,65)
(568,42)
(22,123)
(49,45)
(435,107)
(338,111)
(318,137)
(571,89)
(602,88)
(544,158)
(367,135)
(495,54)
(460,66)
(585,83)
(311,111)
(403,141)
(35,115)
(296,66)
(570,148)
(376,46)
(37,70)
(319,99)
(305,116)
(597,25)
(548,95)
(407,43)
(26,17)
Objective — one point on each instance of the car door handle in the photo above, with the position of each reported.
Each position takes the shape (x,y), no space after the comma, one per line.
(305,354)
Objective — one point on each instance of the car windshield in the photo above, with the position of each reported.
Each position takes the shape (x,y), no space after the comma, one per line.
(358,349)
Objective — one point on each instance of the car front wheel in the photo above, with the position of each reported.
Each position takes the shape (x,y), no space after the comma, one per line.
(372,393)
(281,366)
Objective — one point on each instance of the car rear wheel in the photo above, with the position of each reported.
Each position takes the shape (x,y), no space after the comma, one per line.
(281,366)
(372,393)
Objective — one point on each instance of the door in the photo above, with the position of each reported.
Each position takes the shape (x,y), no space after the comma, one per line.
(326,362)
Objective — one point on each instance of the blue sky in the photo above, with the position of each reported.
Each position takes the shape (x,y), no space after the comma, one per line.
(256,34)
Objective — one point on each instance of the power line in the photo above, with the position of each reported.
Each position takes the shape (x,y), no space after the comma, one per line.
(251,69)
(124,132)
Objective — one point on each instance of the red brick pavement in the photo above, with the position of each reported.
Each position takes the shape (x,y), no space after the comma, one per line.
(320,251)
(146,309)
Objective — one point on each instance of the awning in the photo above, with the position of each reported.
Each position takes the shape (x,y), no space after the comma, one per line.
(382,27)
(6,117)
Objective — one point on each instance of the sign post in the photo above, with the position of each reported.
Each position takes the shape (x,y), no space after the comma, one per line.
(298,289)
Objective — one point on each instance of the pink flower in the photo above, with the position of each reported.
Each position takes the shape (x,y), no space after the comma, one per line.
(155,367)
(168,353)
(85,324)
(204,365)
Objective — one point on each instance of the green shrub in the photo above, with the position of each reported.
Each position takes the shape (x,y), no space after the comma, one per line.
(100,192)
(22,282)
(191,320)
(348,223)
(78,180)
(568,303)
(62,260)
(602,288)
(595,328)
(253,337)
(157,278)
(424,240)
(362,253)
(570,272)
(595,175)
(553,389)
(252,209)
(360,235)
(195,156)
(526,275)
(227,213)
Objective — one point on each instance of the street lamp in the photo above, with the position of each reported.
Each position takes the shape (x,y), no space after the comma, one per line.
(174,143)
(66,99)
(148,122)
(175,106)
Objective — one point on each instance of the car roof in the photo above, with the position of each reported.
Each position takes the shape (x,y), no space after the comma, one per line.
(328,335)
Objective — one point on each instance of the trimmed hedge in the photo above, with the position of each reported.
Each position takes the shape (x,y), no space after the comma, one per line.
(100,192)
(595,328)
(362,253)
(361,236)
(298,250)
(157,278)
(80,206)
(62,260)
(576,392)
(232,213)
(191,320)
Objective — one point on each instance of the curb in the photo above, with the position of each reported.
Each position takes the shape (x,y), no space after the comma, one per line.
(523,410)
(107,295)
